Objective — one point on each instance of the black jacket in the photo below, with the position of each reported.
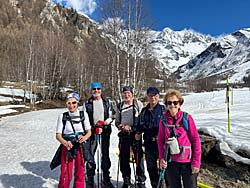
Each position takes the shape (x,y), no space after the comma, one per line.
(90,111)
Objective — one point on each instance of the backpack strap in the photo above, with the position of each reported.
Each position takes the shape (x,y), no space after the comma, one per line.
(185,120)
(66,117)
(184,123)
(164,120)
(64,120)
(135,108)
(82,118)
(162,109)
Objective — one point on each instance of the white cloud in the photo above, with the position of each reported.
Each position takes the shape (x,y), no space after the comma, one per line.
(83,6)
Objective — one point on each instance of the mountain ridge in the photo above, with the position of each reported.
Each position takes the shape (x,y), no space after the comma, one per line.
(185,55)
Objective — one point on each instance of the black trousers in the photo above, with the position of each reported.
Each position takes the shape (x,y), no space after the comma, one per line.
(105,162)
(126,144)
(151,154)
(175,171)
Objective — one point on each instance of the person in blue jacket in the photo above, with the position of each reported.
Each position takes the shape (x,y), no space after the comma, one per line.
(148,125)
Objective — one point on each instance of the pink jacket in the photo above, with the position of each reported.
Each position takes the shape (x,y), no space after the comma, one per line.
(185,140)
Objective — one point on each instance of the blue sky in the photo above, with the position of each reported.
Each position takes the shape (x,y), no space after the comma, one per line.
(214,17)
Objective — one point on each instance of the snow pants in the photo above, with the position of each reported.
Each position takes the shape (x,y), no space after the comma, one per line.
(177,171)
(66,169)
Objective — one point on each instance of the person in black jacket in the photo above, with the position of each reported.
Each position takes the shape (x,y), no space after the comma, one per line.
(99,109)
(148,125)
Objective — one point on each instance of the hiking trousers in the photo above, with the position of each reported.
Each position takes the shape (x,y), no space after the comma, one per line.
(151,155)
(105,159)
(177,171)
(66,169)
(125,147)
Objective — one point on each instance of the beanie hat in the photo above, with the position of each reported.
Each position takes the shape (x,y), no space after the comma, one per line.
(153,90)
(73,95)
(96,85)
(127,88)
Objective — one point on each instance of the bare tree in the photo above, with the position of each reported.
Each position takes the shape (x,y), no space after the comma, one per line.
(125,23)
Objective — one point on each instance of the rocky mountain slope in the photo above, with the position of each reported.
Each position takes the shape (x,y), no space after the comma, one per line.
(229,55)
(191,55)
(175,48)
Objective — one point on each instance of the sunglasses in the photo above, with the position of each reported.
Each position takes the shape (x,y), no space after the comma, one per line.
(172,102)
(74,102)
(96,89)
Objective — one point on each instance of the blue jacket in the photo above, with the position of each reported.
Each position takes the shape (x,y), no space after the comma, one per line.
(149,121)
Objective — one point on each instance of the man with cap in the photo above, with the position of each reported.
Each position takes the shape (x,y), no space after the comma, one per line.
(126,119)
(148,125)
(98,109)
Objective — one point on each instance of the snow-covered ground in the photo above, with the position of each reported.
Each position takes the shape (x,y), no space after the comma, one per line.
(28,140)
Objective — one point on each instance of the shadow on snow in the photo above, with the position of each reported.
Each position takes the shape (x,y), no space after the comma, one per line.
(40,173)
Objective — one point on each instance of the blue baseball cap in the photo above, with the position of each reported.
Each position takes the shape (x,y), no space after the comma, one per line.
(153,90)
(73,95)
(96,85)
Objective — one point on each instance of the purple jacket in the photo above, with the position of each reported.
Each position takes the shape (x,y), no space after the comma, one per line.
(185,140)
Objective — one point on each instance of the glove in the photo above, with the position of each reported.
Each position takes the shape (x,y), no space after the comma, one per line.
(98,127)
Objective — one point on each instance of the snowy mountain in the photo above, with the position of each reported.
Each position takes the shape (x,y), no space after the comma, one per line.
(228,55)
(175,48)
(187,54)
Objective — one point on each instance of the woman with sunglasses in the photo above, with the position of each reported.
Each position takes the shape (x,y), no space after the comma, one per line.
(182,146)
(72,134)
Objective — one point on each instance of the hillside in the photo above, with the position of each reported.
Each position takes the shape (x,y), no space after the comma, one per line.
(51,46)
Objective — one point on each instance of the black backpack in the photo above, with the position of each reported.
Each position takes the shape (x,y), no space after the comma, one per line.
(88,155)
(66,117)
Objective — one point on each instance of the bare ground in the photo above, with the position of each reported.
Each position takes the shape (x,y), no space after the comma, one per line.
(224,177)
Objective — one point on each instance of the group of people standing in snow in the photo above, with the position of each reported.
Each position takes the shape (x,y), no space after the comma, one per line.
(168,145)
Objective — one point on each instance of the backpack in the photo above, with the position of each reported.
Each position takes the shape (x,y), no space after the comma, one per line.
(184,122)
(87,153)
(142,114)
(66,118)
(135,108)
(56,161)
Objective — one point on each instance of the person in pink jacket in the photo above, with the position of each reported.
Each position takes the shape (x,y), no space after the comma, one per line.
(181,145)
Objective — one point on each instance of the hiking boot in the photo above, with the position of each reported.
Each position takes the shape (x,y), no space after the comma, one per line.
(90,182)
(140,185)
(126,183)
(108,184)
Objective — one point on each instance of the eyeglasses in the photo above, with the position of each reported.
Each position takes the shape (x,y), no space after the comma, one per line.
(96,89)
(172,102)
(74,102)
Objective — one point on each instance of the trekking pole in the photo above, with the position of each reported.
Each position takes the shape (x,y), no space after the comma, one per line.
(81,152)
(100,154)
(118,169)
(66,168)
(98,161)
(162,172)
(136,150)
(99,126)
(133,163)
